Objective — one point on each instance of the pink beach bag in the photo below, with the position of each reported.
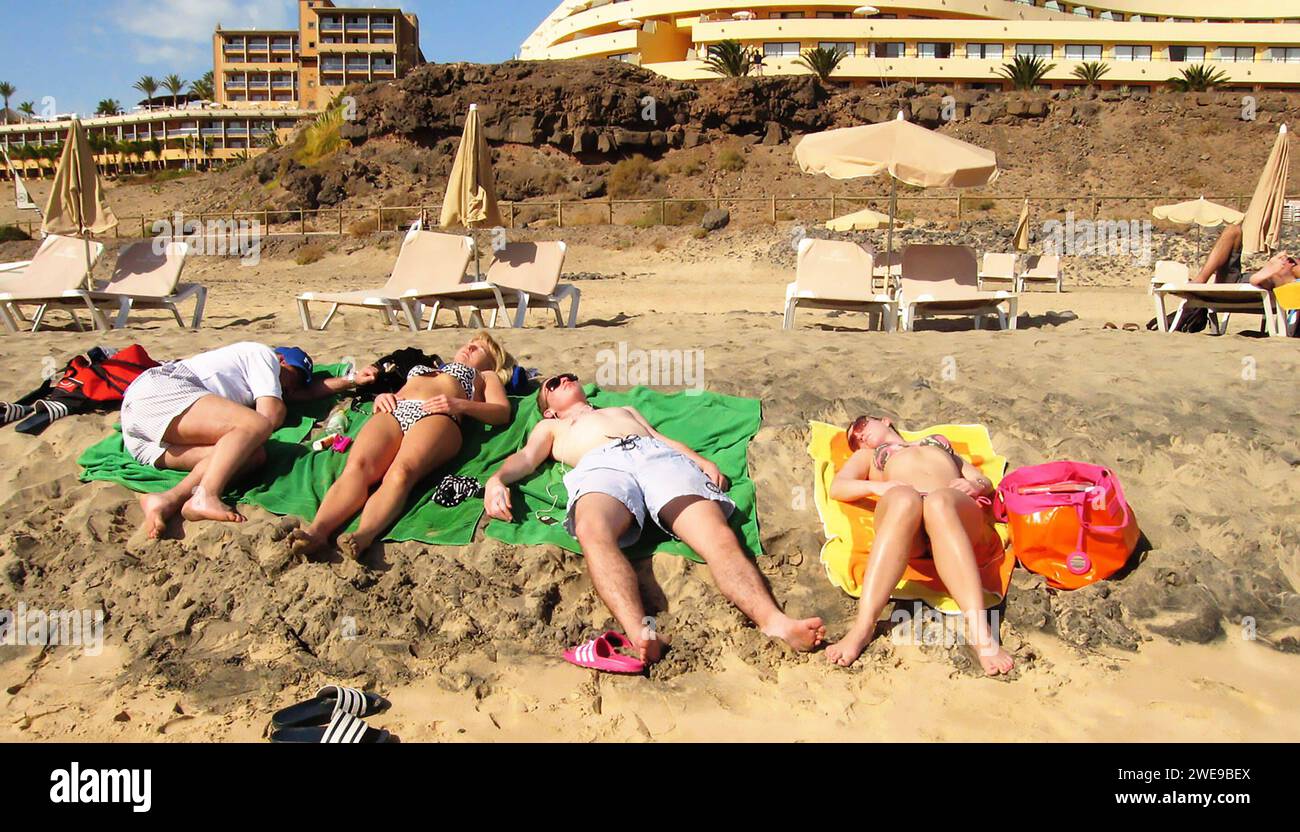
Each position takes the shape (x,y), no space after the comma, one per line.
(1069,522)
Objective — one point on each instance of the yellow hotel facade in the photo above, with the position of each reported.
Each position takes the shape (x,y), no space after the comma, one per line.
(963,43)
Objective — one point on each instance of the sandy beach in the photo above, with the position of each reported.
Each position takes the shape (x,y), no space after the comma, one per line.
(209,631)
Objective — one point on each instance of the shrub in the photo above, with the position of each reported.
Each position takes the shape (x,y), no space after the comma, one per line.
(308,254)
(731,159)
(631,177)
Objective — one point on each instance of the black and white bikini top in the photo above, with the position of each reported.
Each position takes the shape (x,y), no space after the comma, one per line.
(464,374)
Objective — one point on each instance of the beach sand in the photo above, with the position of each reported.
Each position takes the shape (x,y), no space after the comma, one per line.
(208,632)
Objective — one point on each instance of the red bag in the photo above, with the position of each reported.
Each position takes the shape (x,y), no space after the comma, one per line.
(1069,522)
(104,382)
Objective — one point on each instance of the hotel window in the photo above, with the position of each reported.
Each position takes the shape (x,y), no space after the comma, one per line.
(934,50)
(985,51)
(845,47)
(786,16)
(1237,54)
(1054,6)
(1083,51)
(890,49)
(781,50)
(1187,54)
(1286,55)
(623,57)
(832,15)
(1132,53)
(1034,50)
(1081,11)
(1111,16)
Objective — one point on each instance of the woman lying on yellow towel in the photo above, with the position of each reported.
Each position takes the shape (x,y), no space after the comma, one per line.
(929,503)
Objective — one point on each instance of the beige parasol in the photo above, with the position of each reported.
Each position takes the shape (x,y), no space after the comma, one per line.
(1022,229)
(1262,228)
(77,207)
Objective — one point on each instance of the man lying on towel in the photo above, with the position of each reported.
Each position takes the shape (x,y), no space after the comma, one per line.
(211,415)
(624,473)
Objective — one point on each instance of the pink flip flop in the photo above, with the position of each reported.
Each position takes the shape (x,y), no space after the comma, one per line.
(600,654)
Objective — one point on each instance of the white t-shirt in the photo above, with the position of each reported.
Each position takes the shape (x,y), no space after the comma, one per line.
(242,373)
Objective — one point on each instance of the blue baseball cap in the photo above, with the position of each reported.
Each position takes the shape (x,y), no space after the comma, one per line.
(298,359)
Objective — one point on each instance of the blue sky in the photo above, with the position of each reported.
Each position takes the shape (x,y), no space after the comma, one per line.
(81,51)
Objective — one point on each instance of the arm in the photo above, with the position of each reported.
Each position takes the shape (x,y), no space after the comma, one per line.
(496,497)
(854,483)
(324,388)
(273,410)
(493,410)
(708,467)
(973,482)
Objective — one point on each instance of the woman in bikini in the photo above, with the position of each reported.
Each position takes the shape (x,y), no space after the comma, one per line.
(412,434)
(929,503)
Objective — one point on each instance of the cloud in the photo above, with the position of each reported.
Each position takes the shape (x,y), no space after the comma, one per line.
(179,30)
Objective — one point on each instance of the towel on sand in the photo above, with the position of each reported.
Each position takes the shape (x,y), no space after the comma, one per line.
(718,427)
(850,530)
(295,478)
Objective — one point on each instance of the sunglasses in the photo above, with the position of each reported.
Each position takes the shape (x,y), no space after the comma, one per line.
(553,383)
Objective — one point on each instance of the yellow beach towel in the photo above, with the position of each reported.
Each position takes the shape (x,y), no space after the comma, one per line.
(850,530)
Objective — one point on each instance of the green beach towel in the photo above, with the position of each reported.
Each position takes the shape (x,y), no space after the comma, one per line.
(718,427)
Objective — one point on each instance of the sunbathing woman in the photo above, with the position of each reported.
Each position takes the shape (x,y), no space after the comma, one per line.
(929,503)
(411,434)
(1225,261)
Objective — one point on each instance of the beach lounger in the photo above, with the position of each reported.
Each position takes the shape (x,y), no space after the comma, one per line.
(887,273)
(143,279)
(997,267)
(1221,300)
(1043,268)
(55,276)
(527,276)
(1167,271)
(837,275)
(17,267)
(430,268)
(944,280)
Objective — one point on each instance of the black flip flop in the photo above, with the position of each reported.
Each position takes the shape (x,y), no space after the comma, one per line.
(344,729)
(329,701)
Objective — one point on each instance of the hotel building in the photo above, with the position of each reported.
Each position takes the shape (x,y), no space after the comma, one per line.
(307,67)
(963,43)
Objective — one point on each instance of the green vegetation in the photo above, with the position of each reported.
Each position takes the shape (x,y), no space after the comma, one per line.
(321,139)
(730,58)
(1026,72)
(1092,72)
(1199,78)
(822,62)
(632,177)
(731,159)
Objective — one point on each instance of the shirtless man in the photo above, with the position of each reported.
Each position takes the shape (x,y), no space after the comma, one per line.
(623,473)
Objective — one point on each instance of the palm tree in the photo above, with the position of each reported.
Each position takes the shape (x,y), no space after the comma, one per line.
(6,92)
(1199,78)
(1091,73)
(147,85)
(28,109)
(1027,71)
(203,88)
(730,58)
(822,61)
(174,85)
(108,107)
(156,148)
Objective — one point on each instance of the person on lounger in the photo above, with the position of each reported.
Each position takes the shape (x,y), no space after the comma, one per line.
(412,434)
(625,474)
(211,415)
(1225,261)
(929,503)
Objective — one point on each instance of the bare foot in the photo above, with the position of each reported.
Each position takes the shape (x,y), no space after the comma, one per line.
(203,507)
(303,542)
(846,651)
(804,636)
(995,660)
(350,546)
(158,509)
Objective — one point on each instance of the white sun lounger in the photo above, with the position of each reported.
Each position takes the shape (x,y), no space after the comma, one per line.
(834,274)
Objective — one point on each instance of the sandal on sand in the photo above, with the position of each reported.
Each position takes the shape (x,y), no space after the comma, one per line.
(600,654)
(1132,328)
(1110,325)
(344,729)
(326,705)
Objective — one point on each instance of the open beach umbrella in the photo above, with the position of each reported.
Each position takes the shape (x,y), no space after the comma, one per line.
(471,200)
(77,207)
(1199,212)
(864,220)
(1022,229)
(907,152)
(1262,228)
